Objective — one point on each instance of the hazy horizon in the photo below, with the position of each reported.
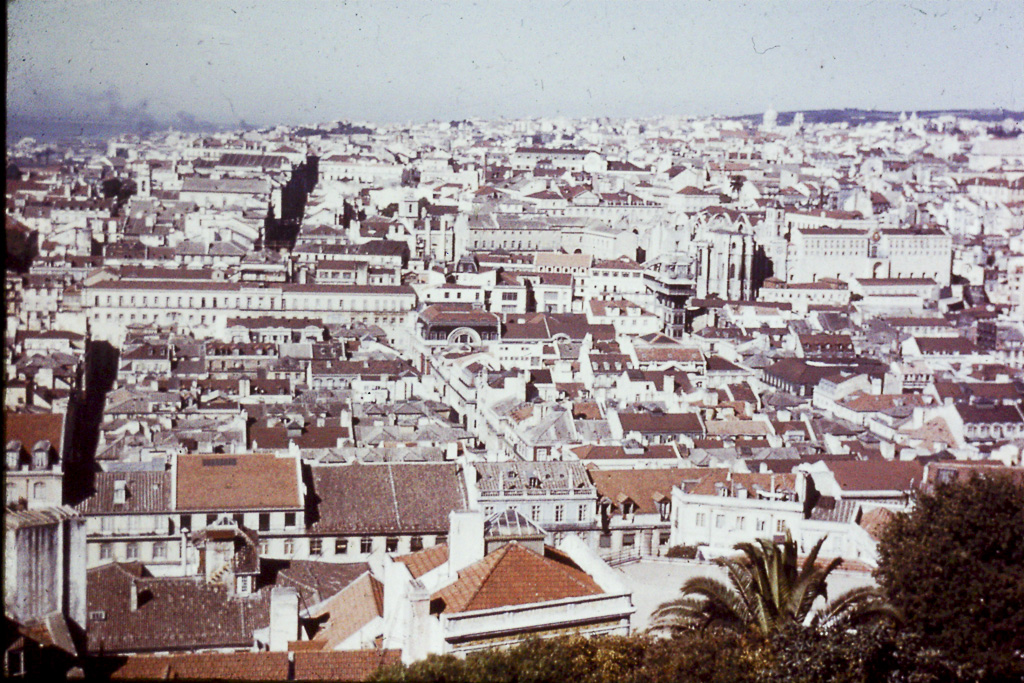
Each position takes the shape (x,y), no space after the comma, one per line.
(268,63)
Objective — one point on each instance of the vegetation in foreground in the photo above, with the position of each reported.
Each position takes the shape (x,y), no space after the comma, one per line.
(950,607)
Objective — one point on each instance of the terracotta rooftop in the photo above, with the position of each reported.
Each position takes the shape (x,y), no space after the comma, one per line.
(896,475)
(223,666)
(514,575)
(644,487)
(237,482)
(30,428)
(422,561)
(350,665)
(349,610)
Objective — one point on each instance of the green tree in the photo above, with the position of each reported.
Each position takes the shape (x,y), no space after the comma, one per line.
(767,590)
(954,566)
(706,656)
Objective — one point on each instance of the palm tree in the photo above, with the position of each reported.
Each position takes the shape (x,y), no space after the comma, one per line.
(769,591)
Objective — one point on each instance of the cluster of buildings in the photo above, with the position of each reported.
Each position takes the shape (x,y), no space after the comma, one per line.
(301,403)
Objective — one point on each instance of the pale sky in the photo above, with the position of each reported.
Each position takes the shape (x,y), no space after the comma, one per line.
(300,61)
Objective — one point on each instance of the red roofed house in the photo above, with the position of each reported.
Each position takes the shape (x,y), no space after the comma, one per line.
(35,453)
(492,584)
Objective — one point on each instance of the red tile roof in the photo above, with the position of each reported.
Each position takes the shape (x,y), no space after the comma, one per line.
(30,428)
(515,575)
(645,487)
(231,666)
(896,475)
(351,665)
(422,561)
(237,482)
(349,610)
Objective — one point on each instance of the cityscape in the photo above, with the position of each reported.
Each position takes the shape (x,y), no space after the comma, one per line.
(441,388)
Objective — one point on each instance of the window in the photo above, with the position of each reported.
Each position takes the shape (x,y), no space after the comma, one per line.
(582,514)
(741,523)
(488,510)
(38,489)
(289,547)
(720,522)
(340,546)
(107,524)
(264,521)
(159,550)
(106,552)
(760,525)
(264,547)
(664,509)
(509,296)
(15,663)
(780,526)
(316,546)
(559,513)
(535,512)
(416,543)
(628,540)
(605,541)
(211,519)
(365,545)
(289,519)
(391,544)
(441,538)
(131,551)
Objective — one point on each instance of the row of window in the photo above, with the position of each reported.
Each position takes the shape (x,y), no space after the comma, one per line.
(38,490)
(537,512)
(629,539)
(338,303)
(739,522)
(316,547)
(131,551)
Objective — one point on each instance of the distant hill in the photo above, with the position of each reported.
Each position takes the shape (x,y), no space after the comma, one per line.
(857,116)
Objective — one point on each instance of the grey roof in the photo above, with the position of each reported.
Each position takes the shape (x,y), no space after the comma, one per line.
(146,492)
(828,509)
(388,498)
(514,477)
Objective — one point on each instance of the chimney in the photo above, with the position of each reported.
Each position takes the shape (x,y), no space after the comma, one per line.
(284,618)
(417,646)
(465,539)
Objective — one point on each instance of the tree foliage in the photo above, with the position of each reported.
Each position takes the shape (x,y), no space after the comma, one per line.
(768,590)
(955,567)
(576,659)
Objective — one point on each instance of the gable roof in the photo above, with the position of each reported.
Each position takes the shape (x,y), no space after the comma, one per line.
(180,613)
(867,475)
(423,561)
(387,498)
(515,575)
(645,487)
(349,610)
(223,666)
(238,482)
(344,665)
(144,492)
